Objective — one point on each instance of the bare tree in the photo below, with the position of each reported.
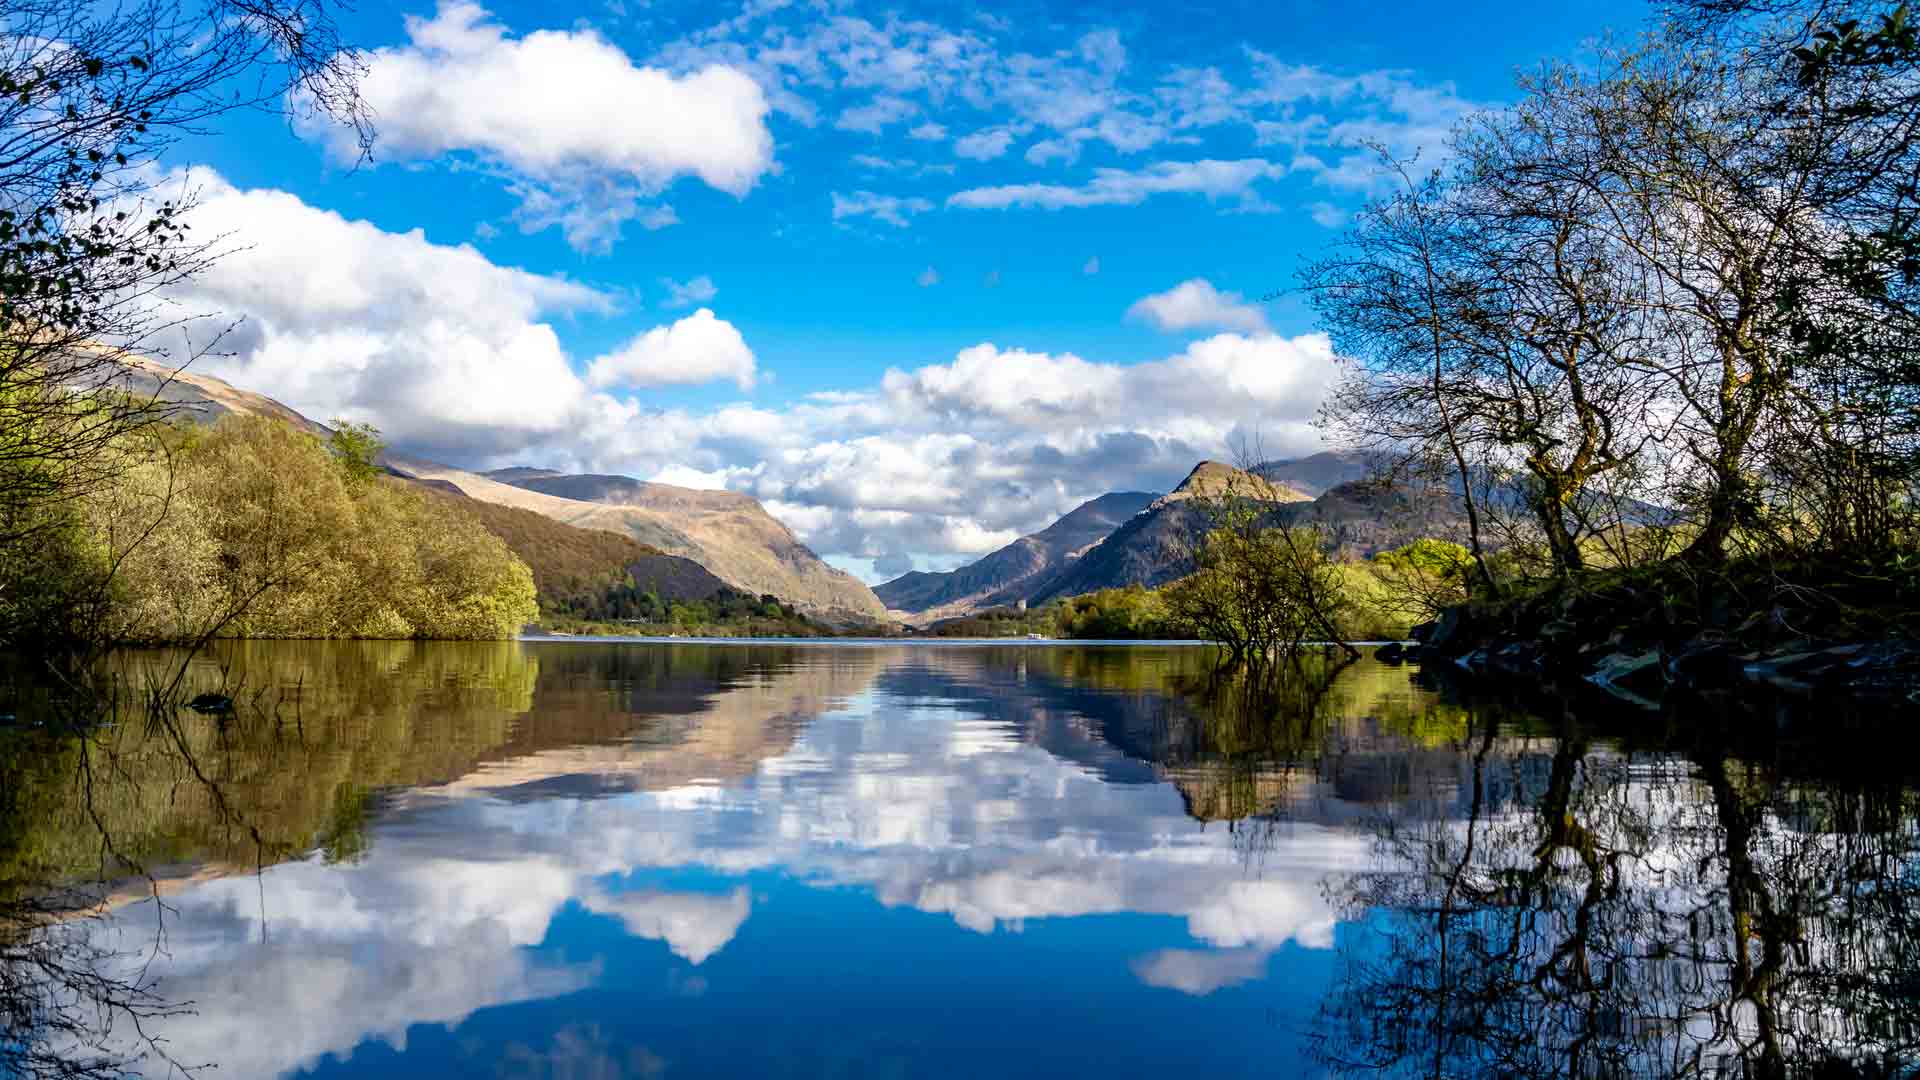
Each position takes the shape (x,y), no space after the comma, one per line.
(1390,293)
(1830,84)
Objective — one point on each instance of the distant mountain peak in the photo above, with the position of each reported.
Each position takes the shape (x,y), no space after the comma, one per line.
(1316,474)
(518,473)
(1212,479)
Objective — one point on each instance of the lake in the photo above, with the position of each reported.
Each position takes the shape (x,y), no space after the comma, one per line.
(589,860)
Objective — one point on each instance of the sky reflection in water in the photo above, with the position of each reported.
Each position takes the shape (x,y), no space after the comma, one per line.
(703,861)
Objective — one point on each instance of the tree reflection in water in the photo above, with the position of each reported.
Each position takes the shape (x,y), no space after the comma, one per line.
(1559,891)
(111,791)
(1727,911)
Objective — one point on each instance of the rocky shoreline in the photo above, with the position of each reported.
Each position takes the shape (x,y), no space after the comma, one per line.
(1641,645)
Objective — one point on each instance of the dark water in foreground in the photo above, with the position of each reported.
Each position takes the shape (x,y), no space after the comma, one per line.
(591,861)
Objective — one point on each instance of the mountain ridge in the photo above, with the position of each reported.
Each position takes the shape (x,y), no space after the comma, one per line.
(1008,574)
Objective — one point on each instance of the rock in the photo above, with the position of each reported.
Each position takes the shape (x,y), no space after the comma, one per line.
(1391,653)
(211,703)
(1636,676)
(1885,669)
(1557,629)
(1410,653)
(1704,663)
(1475,661)
(1806,668)
(1518,658)
(1443,629)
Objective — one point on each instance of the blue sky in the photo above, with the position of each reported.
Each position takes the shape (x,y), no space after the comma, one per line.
(920,277)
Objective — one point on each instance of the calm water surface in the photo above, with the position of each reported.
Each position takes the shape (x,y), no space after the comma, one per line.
(586,860)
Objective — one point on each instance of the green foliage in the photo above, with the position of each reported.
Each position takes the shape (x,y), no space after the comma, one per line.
(346,828)
(1440,559)
(319,728)
(1126,614)
(254,530)
(1001,622)
(357,448)
(51,587)
(1410,584)
(727,612)
(1260,592)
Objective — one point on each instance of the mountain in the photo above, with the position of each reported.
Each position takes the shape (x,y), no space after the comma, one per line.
(1212,480)
(204,398)
(574,567)
(1360,518)
(1318,474)
(1152,548)
(728,533)
(1122,538)
(1016,571)
(731,535)
(1365,517)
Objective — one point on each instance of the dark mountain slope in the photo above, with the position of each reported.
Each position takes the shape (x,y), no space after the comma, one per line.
(1016,571)
(1359,519)
(575,569)
(1315,475)
(1152,547)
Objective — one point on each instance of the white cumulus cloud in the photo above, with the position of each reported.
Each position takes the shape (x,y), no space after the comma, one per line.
(891,209)
(693,925)
(698,349)
(586,130)
(437,344)
(1201,971)
(1196,304)
(984,145)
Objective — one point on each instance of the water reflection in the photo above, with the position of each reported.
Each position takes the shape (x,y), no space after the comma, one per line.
(1748,908)
(578,859)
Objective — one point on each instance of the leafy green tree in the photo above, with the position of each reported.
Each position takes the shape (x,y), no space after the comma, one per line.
(357,448)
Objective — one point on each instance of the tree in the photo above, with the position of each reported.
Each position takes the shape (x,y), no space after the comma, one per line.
(91,228)
(357,448)
(1830,84)
(1488,317)
(1422,578)
(1599,914)
(1388,293)
(1683,278)
(255,529)
(1259,589)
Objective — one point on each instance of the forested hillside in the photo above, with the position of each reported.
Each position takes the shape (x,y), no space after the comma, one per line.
(256,528)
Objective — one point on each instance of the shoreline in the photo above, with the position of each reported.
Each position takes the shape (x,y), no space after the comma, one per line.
(860,642)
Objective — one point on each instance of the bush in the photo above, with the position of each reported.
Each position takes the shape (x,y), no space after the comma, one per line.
(1125,614)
